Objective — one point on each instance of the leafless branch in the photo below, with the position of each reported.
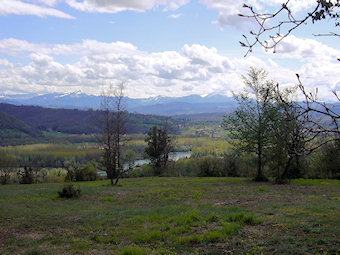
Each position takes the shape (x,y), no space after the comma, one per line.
(270,34)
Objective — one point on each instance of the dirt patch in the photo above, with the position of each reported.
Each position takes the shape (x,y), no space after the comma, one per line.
(34,236)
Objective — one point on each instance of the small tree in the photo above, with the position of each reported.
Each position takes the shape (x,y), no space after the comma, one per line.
(249,125)
(158,148)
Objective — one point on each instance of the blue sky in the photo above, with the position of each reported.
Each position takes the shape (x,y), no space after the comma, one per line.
(157,47)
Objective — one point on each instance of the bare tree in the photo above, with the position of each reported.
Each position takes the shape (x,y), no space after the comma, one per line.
(113,120)
(274,27)
(313,106)
(297,131)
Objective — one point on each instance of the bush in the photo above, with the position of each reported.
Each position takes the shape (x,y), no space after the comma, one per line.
(69,191)
(219,167)
(26,176)
(142,171)
(82,173)
(5,176)
(326,162)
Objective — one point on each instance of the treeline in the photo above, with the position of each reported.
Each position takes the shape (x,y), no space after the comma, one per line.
(321,164)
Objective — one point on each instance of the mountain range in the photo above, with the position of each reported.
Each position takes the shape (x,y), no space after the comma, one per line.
(169,106)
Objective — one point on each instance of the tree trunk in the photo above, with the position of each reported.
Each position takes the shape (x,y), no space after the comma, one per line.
(283,179)
(260,177)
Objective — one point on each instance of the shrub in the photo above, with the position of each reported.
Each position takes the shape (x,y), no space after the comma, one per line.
(142,171)
(26,176)
(326,162)
(82,173)
(228,165)
(5,176)
(69,191)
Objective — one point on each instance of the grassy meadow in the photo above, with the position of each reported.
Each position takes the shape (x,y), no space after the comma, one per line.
(172,216)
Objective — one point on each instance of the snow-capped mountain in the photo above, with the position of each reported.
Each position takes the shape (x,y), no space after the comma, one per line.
(160,105)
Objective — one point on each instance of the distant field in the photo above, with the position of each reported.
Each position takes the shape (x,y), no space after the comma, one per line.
(173,216)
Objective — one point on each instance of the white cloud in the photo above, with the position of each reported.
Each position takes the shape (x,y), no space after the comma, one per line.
(228,11)
(105,6)
(175,16)
(17,7)
(295,6)
(46,2)
(5,63)
(194,69)
(306,49)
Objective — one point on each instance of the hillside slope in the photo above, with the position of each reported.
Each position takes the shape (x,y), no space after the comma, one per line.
(12,127)
(75,121)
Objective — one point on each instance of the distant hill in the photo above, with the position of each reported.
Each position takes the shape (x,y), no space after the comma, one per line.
(169,106)
(10,126)
(32,120)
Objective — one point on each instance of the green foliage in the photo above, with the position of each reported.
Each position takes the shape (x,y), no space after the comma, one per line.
(231,228)
(159,145)
(326,162)
(327,9)
(26,175)
(69,191)
(229,165)
(243,218)
(249,124)
(191,239)
(213,236)
(79,173)
(213,218)
(134,251)
(146,170)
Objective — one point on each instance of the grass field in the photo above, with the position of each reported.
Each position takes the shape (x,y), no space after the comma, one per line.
(173,216)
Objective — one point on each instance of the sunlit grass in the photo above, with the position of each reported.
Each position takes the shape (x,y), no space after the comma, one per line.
(171,216)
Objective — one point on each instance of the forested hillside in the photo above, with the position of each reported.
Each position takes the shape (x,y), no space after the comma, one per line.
(30,121)
(11,125)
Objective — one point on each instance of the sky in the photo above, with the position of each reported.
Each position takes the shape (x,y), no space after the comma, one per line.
(155,47)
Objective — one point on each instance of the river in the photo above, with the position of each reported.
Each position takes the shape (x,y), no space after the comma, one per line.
(139,162)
